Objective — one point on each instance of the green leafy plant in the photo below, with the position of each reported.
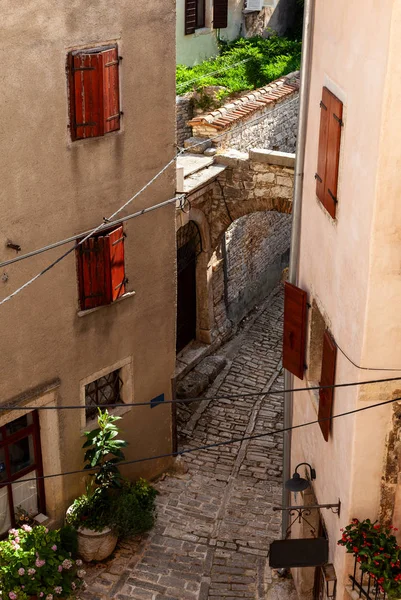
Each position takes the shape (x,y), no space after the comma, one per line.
(242,65)
(33,562)
(133,510)
(376,550)
(110,501)
(103,451)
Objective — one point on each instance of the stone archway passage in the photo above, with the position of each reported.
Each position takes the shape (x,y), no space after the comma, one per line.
(189,246)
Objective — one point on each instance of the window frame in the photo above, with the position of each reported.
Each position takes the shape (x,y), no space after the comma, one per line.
(200,14)
(91,409)
(37,465)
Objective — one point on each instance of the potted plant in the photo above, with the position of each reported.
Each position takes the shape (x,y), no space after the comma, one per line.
(111,507)
(377,551)
(35,563)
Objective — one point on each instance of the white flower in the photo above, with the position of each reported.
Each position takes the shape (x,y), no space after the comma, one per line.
(81,573)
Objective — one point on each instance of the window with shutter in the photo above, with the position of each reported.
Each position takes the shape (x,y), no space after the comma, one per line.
(327,378)
(295,310)
(331,112)
(101,269)
(220,14)
(94,92)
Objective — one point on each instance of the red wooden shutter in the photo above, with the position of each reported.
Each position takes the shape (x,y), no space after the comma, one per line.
(111,91)
(190,16)
(294,330)
(91,273)
(86,92)
(329,150)
(114,249)
(220,14)
(327,378)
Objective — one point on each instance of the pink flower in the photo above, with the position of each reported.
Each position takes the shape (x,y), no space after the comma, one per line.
(49,597)
(58,589)
(41,595)
(21,571)
(78,562)
(73,585)
(60,568)
(27,528)
(17,540)
(54,548)
(31,572)
(12,595)
(67,564)
(13,532)
(39,563)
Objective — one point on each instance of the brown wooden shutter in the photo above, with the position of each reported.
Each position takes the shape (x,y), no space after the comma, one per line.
(190,16)
(115,264)
(329,150)
(294,336)
(86,95)
(220,14)
(91,273)
(327,378)
(111,91)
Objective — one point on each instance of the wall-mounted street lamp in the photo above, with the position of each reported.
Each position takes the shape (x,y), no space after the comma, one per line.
(298,483)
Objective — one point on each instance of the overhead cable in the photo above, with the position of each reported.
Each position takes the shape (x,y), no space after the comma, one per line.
(200,399)
(213,445)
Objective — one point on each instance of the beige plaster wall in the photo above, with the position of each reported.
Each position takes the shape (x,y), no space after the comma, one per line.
(201,45)
(337,260)
(52,188)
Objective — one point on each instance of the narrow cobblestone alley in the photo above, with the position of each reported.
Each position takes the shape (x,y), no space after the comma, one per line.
(215,519)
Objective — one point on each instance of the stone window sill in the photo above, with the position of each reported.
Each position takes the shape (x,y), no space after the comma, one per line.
(203,31)
(83,313)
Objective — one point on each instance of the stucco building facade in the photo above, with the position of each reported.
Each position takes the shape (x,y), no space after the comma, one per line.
(82,83)
(349,288)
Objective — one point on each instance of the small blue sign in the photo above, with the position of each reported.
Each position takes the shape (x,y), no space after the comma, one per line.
(156,401)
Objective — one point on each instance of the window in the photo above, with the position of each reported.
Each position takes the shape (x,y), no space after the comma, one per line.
(195,15)
(331,111)
(101,269)
(20,459)
(106,390)
(94,92)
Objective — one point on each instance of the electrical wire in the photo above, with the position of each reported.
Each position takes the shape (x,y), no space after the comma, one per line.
(184,84)
(200,399)
(215,444)
(107,222)
(363,368)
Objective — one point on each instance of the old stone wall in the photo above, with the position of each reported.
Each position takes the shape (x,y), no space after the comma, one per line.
(257,251)
(277,130)
(264,118)
(184,112)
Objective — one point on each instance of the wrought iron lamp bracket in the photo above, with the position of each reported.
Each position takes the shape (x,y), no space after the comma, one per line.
(301,512)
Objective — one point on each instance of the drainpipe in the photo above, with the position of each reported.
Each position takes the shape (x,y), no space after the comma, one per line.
(307,38)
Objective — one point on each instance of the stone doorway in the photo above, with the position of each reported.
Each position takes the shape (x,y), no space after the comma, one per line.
(189,246)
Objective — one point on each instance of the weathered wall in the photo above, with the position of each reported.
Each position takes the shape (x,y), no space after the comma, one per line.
(257,251)
(184,112)
(53,188)
(264,118)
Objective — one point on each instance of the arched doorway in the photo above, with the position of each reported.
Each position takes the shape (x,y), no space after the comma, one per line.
(189,246)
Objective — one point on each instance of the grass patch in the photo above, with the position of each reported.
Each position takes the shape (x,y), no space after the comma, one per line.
(261,61)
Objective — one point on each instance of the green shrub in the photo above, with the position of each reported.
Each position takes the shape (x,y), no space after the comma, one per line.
(261,61)
(69,540)
(133,508)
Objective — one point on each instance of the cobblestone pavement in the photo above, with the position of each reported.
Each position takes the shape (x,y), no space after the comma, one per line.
(215,519)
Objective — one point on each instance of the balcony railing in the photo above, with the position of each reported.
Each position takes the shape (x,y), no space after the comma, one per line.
(365,585)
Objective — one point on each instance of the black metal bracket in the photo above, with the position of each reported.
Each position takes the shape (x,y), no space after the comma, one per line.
(15,247)
(339,120)
(318,177)
(301,512)
(323,105)
(332,196)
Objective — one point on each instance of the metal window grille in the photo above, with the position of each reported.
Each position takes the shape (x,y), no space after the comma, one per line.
(105,390)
